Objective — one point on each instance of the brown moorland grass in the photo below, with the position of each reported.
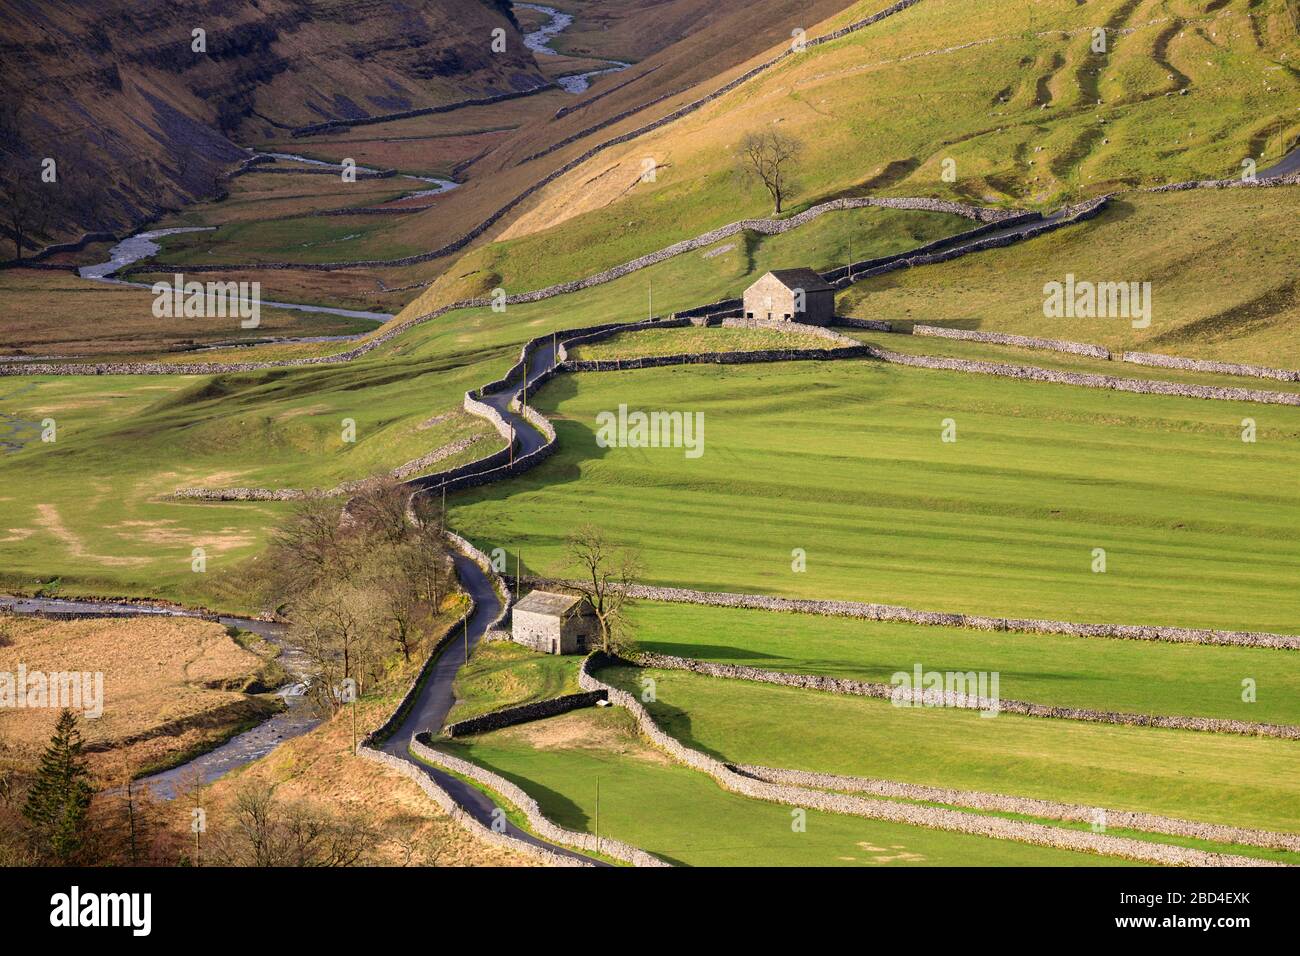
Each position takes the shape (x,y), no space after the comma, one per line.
(57,313)
(171,686)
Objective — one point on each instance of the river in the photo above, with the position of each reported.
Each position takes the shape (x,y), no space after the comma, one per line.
(539,41)
(296,719)
(142,245)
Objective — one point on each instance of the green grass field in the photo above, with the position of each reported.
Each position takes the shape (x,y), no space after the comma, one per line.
(88,511)
(1011,93)
(1128,676)
(684,817)
(1245,781)
(845,461)
(692,339)
(1060,361)
(501,674)
(1220,264)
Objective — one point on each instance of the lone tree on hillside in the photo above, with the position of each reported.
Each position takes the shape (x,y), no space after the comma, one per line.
(606,573)
(59,797)
(770,157)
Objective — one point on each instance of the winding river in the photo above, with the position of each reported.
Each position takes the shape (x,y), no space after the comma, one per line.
(144,244)
(296,719)
(539,41)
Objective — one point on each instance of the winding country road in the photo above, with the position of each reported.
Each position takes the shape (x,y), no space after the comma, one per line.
(434,701)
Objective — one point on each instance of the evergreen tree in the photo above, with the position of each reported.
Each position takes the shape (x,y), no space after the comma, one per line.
(59,798)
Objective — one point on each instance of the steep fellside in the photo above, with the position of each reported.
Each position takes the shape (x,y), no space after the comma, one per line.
(140,122)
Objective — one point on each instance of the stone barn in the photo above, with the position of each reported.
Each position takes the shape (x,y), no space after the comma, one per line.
(775,297)
(554,623)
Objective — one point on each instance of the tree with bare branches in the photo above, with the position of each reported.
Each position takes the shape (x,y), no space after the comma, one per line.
(265,830)
(770,157)
(606,571)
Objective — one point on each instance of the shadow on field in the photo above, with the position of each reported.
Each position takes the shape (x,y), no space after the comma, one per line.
(556,806)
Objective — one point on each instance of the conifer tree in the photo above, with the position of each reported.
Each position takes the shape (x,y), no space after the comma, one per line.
(59,797)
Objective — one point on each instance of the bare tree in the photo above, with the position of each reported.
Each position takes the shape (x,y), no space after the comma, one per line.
(606,573)
(380,508)
(770,157)
(400,612)
(311,547)
(264,830)
(335,624)
(427,564)
(28,204)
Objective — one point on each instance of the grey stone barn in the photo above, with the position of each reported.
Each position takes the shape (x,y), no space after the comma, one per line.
(554,623)
(774,297)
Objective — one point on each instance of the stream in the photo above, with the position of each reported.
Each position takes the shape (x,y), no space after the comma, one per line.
(296,719)
(539,42)
(142,245)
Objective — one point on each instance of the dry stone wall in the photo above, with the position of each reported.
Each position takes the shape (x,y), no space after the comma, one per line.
(1292,179)
(369,748)
(717,358)
(920,697)
(403,707)
(524,713)
(1048,809)
(1025,341)
(449,806)
(1202,365)
(332,125)
(537,820)
(703,101)
(555,174)
(1088,380)
(975,622)
(401,472)
(939,818)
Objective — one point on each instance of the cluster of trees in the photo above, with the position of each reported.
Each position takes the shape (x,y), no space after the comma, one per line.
(360,585)
(61,816)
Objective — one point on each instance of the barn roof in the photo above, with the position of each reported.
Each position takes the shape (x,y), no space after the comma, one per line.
(803,278)
(547,602)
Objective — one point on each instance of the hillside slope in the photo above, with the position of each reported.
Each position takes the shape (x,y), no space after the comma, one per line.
(1012,94)
(139,122)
